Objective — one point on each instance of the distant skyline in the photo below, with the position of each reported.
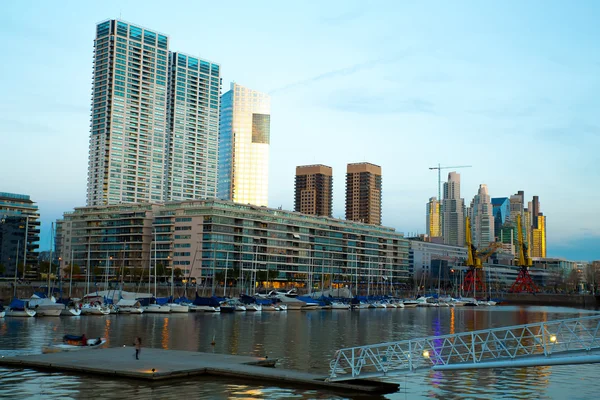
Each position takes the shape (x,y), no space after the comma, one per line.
(508,87)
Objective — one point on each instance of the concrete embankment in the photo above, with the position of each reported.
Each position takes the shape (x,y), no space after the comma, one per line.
(550,299)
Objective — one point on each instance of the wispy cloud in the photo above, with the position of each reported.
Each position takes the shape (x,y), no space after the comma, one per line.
(8,126)
(386,103)
(574,133)
(349,70)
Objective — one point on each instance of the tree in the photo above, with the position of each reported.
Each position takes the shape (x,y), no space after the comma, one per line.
(98,272)
(76,269)
(177,272)
(2,269)
(273,274)
(261,276)
(160,270)
(573,279)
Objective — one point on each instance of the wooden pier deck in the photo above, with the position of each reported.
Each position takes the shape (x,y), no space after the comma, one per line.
(159,365)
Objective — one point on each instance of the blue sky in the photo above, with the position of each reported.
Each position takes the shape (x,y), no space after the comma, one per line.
(509,87)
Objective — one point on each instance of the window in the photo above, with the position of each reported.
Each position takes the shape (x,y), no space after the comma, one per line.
(150,38)
(135,33)
(121,29)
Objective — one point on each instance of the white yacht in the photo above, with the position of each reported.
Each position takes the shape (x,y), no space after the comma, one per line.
(179,308)
(157,308)
(292,303)
(94,309)
(129,307)
(19,308)
(71,311)
(339,306)
(45,307)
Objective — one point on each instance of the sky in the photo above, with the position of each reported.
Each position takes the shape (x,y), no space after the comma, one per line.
(508,87)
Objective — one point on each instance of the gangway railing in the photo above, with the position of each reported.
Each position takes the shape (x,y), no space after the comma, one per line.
(559,342)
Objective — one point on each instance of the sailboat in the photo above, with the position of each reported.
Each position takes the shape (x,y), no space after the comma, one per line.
(160,304)
(46,305)
(176,307)
(19,308)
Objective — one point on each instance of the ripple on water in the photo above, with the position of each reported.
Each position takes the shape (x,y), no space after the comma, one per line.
(301,340)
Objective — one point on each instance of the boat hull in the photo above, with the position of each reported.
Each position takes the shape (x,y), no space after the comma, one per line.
(48,312)
(95,310)
(157,309)
(59,348)
(2,313)
(206,309)
(70,312)
(21,313)
(178,308)
(131,310)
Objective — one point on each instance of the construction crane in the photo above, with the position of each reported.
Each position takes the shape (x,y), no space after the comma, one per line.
(475,259)
(524,282)
(440,168)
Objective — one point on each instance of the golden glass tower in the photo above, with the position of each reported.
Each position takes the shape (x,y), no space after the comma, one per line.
(244,137)
(433,218)
(538,237)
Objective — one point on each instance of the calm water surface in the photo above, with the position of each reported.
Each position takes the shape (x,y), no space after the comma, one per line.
(300,340)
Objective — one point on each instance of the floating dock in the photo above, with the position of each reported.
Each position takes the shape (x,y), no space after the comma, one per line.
(160,365)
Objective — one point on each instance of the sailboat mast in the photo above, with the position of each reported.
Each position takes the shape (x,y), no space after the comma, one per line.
(87,269)
(16,270)
(155,259)
(71,274)
(50,265)
(225,285)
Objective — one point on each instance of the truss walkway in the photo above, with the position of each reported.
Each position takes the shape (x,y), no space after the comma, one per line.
(560,342)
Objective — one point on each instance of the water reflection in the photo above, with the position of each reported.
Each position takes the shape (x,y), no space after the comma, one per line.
(300,340)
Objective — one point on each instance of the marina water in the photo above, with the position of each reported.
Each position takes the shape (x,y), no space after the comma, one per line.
(301,340)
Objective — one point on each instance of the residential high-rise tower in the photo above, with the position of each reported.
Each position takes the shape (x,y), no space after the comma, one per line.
(453,218)
(193,128)
(128,129)
(482,218)
(363,193)
(313,190)
(244,138)
(155,117)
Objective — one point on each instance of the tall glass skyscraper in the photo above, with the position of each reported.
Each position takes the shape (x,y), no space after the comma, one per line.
(128,134)
(244,137)
(453,216)
(482,218)
(193,113)
(155,119)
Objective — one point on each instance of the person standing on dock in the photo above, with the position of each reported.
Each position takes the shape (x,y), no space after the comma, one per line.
(138,347)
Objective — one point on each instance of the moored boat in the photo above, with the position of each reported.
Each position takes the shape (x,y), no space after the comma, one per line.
(74,343)
(19,308)
(126,306)
(70,311)
(94,309)
(44,306)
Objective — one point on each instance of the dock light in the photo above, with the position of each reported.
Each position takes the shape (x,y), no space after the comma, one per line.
(553,338)
(426,354)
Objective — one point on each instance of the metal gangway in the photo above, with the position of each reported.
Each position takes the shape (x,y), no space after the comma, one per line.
(559,342)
